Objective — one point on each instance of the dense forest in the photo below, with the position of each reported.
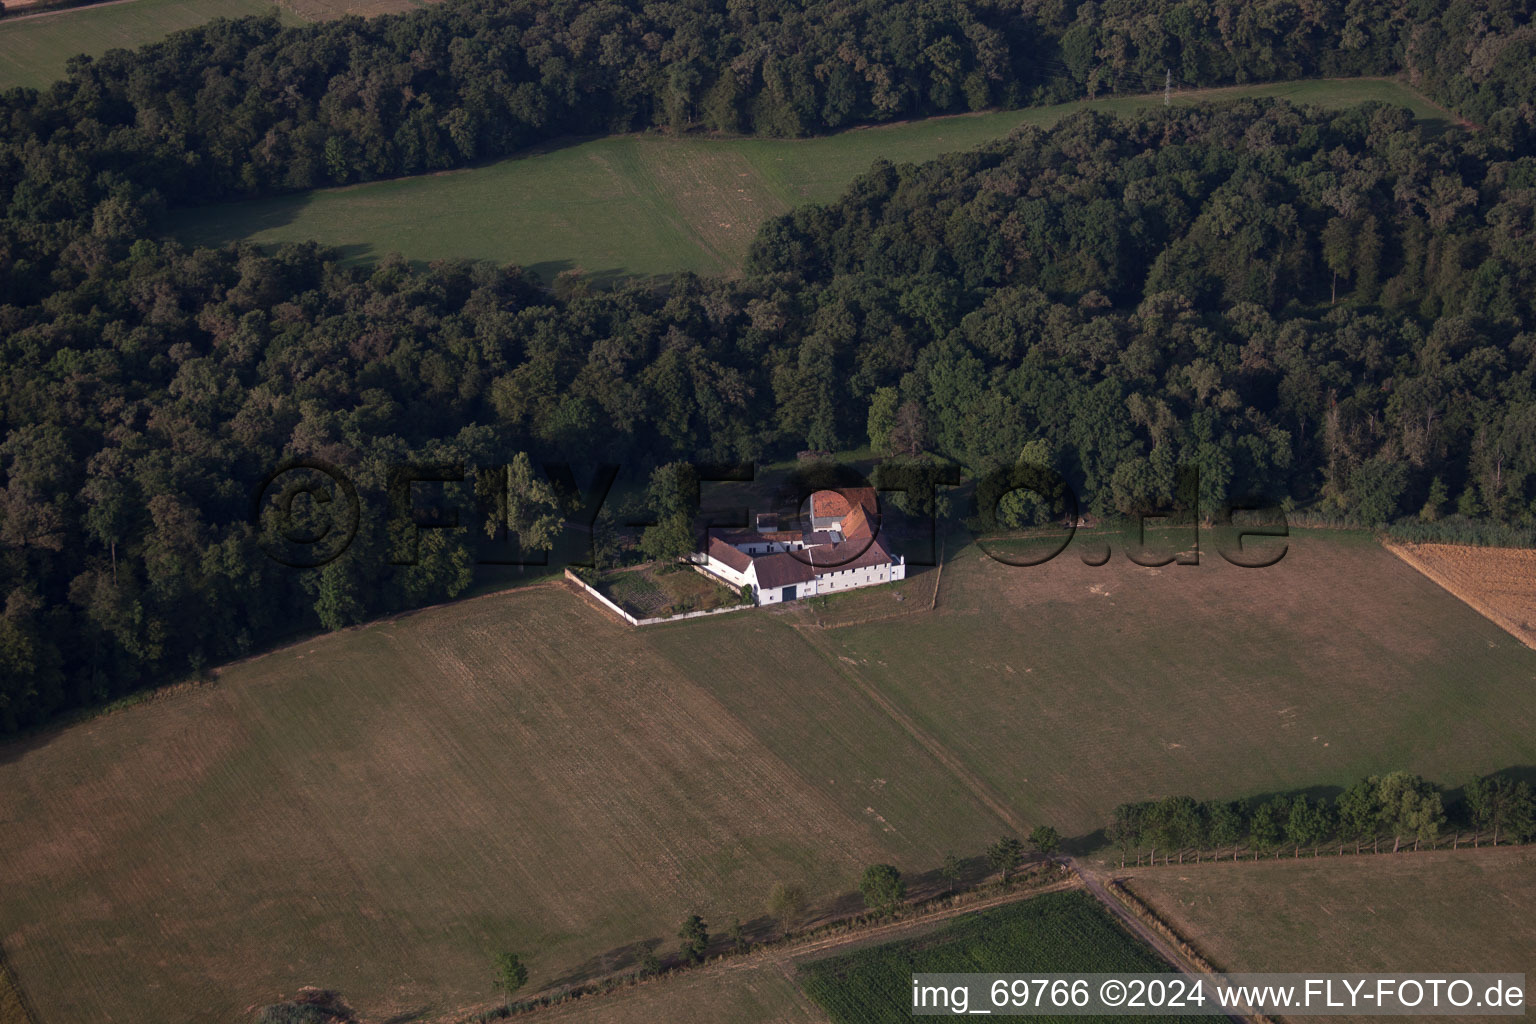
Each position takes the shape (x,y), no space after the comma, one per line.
(1332,309)
(249,107)
(1326,309)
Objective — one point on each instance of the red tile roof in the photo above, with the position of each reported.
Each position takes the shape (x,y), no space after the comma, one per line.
(839,503)
(856,526)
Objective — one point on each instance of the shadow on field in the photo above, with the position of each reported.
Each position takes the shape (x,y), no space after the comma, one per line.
(1455,799)
(352,255)
(219,224)
(1077,846)
(408,1017)
(599,280)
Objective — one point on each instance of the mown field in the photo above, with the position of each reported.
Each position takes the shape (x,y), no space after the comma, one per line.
(651,204)
(1466,910)
(382,810)
(1065,689)
(1055,933)
(379,811)
(34,48)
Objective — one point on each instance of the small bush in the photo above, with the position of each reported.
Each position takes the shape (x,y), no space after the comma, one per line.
(296,1013)
(310,1006)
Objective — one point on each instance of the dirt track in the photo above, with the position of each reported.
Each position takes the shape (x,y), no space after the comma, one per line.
(1160,945)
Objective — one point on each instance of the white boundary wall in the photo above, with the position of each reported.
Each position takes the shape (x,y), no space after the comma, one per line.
(621,613)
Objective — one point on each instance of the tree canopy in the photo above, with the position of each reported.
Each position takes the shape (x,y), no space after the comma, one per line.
(1329,309)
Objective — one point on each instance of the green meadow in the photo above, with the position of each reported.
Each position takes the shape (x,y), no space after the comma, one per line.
(641,205)
(34,48)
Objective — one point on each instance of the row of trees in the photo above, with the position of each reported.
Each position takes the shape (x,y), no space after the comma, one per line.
(881,886)
(1399,806)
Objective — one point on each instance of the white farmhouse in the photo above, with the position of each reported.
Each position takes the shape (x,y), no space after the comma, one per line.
(839,552)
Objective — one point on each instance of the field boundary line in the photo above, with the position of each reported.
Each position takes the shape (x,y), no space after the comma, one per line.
(1461,842)
(938,576)
(882,933)
(1408,554)
(962,773)
(10,990)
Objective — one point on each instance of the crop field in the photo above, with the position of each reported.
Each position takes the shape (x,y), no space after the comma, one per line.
(1499,582)
(1055,933)
(1466,910)
(381,810)
(640,205)
(33,48)
(746,992)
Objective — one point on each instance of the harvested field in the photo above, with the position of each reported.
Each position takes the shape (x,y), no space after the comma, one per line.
(380,811)
(1500,583)
(1466,910)
(760,993)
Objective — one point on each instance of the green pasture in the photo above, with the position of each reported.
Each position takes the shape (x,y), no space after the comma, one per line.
(640,205)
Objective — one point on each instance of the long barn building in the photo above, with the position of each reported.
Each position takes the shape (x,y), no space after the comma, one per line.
(840,551)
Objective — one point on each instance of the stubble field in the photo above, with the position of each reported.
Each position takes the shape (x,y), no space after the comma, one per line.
(1499,582)
(1067,689)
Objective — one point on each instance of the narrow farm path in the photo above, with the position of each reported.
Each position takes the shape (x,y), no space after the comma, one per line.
(1094,885)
